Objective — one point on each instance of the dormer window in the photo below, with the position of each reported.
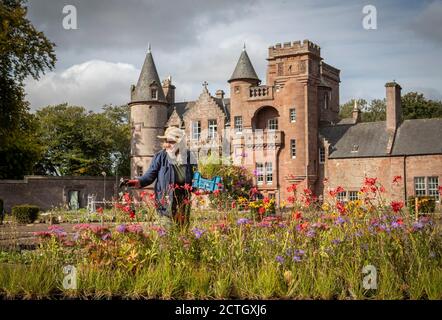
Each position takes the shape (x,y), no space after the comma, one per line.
(154,94)
(355,148)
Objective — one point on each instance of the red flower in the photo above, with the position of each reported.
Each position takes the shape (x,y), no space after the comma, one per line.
(291,199)
(261,210)
(187,187)
(341,208)
(216,192)
(100,210)
(126,197)
(382,189)
(303,226)
(397,179)
(334,192)
(370,181)
(233,204)
(307,191)
(292,188)
(397,205)
(266,200)
(297,215)
(400,221)
(186,201)
(132,214)
(143,193)
(254,191)
(152,196)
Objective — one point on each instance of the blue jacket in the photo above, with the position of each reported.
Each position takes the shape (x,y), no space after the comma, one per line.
(162,171)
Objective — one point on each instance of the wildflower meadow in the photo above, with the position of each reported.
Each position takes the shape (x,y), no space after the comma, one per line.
(241,248)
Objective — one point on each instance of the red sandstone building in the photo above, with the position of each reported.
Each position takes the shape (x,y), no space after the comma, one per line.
(288,130)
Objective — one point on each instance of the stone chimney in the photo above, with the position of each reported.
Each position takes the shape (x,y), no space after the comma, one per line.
(356,112)
(219,94)
(394,108)
(169,90)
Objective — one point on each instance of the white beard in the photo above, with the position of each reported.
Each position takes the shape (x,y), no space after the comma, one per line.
(174,158)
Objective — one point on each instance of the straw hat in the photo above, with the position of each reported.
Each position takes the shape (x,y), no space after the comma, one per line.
(173,134)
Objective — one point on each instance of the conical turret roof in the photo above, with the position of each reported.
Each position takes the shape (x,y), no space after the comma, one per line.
(148,83)
(244,68)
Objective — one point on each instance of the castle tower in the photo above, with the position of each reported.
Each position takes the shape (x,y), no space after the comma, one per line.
(294,71)
(243,78)
(148,116)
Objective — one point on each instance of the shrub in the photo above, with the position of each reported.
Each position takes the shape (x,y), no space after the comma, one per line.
(237,181)
(25,213)
(426,204)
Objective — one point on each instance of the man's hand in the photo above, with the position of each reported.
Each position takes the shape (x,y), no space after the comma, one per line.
(130,183)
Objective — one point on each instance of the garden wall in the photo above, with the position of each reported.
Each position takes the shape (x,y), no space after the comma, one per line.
(47,192)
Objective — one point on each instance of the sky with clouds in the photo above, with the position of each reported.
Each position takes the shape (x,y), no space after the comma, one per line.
(201,40)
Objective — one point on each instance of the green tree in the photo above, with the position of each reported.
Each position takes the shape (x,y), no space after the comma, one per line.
(24,52)
(346,109)
(416,106)
(78,142)
(374,111)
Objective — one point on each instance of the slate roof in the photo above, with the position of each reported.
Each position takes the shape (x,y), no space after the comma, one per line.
(148,77)
(419,136)
(244,68)
(371,139)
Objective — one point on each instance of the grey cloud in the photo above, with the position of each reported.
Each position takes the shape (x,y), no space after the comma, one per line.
(428,23)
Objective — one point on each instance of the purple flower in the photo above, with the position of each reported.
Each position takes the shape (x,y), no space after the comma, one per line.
(121,228)
(280,259)
(311,233)
(418,225)
(241,221)
(197,232)
(336,241)
(296,258)
(340,220)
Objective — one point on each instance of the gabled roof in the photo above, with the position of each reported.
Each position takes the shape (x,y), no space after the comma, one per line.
(148,80)
(244,68)
(182,107)
(371,139)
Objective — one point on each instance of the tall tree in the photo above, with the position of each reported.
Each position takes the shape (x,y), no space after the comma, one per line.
(416,106)
(24,52)
(77,142)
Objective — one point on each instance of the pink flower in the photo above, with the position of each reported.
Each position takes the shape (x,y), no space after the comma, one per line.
(370,181)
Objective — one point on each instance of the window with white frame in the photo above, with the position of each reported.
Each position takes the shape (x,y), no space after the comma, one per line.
(139,171)
(327,98)
(213,129)
(353,195)
(238,124)
(419,186)
(293,115)
(269,172)
(272,124)
(196,130)
(259,173)
(341,196)
(433,187)
(321,155)
(293,148)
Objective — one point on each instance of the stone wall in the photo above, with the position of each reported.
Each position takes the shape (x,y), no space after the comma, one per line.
(47,192)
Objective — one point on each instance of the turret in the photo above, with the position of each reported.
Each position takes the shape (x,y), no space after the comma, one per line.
(148,115)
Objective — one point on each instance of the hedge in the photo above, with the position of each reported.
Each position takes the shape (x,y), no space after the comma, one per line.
(25,213)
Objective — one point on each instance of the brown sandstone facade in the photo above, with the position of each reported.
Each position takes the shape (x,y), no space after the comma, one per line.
(288,130)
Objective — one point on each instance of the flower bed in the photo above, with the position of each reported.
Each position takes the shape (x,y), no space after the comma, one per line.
(314,250)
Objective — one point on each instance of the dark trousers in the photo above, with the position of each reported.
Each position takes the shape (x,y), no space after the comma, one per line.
(181,208)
